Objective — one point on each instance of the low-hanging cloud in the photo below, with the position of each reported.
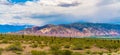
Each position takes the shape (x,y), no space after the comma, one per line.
(41,12)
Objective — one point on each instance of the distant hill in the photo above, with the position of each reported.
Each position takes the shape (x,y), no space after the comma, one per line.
(11,28)
(74,30)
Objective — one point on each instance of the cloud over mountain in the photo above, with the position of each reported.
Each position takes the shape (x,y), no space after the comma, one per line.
(40,12)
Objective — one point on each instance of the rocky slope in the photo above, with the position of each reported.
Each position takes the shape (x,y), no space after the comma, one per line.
(74,30)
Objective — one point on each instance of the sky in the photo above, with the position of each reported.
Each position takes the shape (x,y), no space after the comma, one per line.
(42,12)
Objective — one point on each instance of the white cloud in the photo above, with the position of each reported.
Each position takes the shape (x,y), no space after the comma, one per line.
(3,1)
(93,10)
(19,20)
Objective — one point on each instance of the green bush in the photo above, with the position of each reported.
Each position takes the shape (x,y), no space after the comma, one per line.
(34,52)
(100,53)
(87,47)
(58,52)
(66,52)
(14,47)
(4,41)
(54,47)
(42,46)
(1,51)
(77,47)
(34,45)
(62,52)
(88,52)
(76,53)
(67,46)
(18,52)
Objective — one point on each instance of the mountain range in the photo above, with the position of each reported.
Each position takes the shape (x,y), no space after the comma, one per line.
(73,30)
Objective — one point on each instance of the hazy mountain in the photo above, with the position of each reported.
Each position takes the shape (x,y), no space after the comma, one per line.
(12,28)
(74,30)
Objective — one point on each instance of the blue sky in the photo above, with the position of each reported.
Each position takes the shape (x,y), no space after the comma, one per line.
(42,12)
(18,1)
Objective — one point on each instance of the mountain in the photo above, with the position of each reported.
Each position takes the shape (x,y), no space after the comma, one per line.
(74,30)
(12,28)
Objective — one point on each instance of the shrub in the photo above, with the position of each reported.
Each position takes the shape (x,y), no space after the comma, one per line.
(62,52)
(66,52)
(67,46)
(41,45)
(18,52)
(87,47)
(1,51)
(77,47)
(76,53)
(35,45)
(54,47)
(14,47)
(88,52)
(58,52)
(34,52)
(100,53)
(4,41)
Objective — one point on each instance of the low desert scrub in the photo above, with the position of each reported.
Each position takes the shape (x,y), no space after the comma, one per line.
(66,52)
(77,53)
(55,47)
(14,47)
(34,45)
(67,46)
(35,52)
(88,52)
(77,47)
(1,51)
(5,41)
